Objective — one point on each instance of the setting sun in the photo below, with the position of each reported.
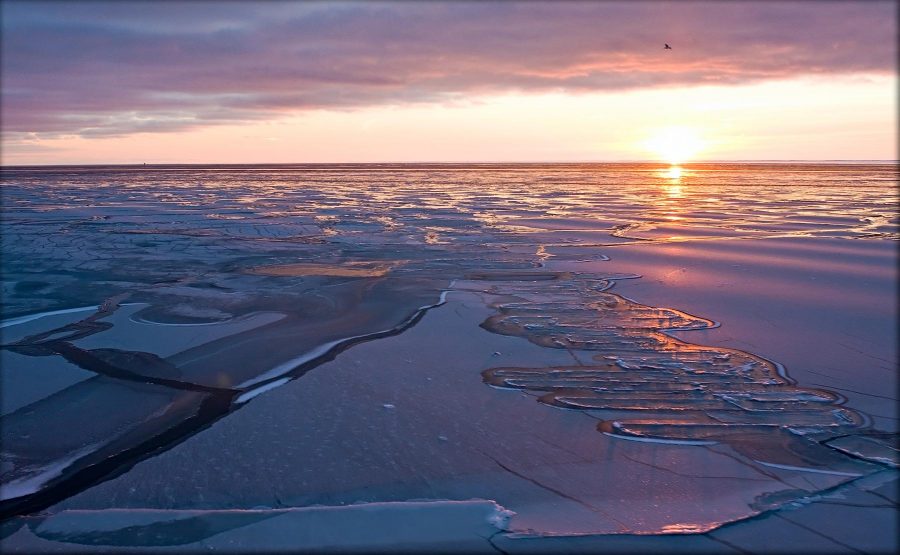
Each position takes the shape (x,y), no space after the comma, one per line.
(675,144)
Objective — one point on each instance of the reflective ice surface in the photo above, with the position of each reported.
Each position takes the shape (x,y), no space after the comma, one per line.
(670,389)
(207,289)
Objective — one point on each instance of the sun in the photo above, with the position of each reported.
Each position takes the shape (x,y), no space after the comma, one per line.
(675,144)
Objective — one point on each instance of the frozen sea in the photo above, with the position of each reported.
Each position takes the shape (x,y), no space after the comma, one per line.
(427,357)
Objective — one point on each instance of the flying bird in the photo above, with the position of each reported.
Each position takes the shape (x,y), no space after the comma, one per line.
(667,47)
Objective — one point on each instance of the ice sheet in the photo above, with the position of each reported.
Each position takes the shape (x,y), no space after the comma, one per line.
(796,262)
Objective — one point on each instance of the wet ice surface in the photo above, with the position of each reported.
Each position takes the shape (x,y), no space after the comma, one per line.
(669,389)
(227,288)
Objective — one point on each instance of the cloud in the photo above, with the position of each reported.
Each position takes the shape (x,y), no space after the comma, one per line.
(94,68)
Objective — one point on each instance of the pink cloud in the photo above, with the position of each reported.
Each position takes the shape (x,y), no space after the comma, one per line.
(118,68)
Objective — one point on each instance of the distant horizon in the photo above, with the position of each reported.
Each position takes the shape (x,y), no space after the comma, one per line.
(461,163)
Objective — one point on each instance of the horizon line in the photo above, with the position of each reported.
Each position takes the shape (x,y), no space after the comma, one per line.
(457,163)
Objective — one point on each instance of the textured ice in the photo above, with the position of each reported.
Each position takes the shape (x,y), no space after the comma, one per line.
(133,332)
(882,448)
(663,388)
(41,444)
(208,287)
(327,439)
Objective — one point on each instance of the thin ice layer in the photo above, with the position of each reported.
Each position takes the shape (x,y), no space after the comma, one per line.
(112,416)
(647,385)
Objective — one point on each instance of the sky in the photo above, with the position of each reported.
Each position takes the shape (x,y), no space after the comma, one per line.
(244,82)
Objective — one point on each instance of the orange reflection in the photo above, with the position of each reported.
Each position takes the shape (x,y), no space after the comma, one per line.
(673,190)
(672,187)
(673,173)
(671,200)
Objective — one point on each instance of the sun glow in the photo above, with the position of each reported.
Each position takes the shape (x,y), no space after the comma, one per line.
(675,144)
(673,173)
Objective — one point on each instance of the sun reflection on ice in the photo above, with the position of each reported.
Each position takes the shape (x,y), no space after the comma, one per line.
(672,187)
(673,173)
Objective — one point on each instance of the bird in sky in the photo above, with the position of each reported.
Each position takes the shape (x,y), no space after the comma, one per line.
(667,47)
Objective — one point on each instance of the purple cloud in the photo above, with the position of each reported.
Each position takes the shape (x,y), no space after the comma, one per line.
(94,68)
